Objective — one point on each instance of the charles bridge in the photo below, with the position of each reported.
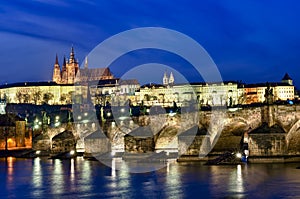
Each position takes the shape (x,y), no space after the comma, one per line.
(272,131)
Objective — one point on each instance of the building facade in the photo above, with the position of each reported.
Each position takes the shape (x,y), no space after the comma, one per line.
(212,94)
(281,91)
(71,73)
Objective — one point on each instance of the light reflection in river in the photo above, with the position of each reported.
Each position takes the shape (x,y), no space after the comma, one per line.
(80,178)
(57,177)
(173,181)
(10,169)
(37,177)
(235,183)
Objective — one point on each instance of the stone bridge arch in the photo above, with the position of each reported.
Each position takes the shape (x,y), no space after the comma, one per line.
(52,132)
(293,138)
(235,126)
(117,138)
(231,134)
(166,138)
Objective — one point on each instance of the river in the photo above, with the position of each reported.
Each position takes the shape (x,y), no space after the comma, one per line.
(80,178)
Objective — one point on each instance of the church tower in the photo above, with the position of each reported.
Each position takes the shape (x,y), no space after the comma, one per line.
(72,68)
(64,74)
(165,79)
(287,79)
(171,79)
(56,71)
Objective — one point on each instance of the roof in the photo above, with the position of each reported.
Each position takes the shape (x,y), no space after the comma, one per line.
(151,85)
(95,135)
(90,74)
(217,83)
(271,84)
(27,84)
(64,135)
(129,82)
(286,77)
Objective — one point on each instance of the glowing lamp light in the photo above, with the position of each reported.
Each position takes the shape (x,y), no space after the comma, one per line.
(172,114)
(38,152)
(85,121)
(72,152)
(238,155)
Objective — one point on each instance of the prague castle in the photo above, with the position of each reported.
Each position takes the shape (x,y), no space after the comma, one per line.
(61,89)
(70,71)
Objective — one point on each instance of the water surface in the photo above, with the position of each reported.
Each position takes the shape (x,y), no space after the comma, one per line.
(79,178)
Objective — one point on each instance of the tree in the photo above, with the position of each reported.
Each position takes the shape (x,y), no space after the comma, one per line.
(63,98)
(47,97)
(70,97)
(19,96)
(26,97)
(37,96)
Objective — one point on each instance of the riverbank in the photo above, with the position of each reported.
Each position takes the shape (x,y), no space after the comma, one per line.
(30,153)
(18,153)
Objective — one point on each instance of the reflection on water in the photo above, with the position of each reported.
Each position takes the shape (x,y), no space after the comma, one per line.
(10,169)
(235,183)
(57,177)
(173,181)
(77,178)
(37,177)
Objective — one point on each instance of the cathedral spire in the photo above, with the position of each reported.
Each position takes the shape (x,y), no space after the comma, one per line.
(56,72)
(64,64)
(171,79)
(72,56)
(56,60)
(165,79)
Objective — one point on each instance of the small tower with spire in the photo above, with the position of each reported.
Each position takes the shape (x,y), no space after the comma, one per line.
(287,79)
(171,79)
(64,75)
(165,79)
(72,67)
(72,56)
(56,71)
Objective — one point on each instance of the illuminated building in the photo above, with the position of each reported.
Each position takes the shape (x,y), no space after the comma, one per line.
(71,73)
(12,132)
(65,82)
(284,90)
(37,93)
(213,94)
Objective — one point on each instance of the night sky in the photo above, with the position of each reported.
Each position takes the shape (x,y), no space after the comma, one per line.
(252,41)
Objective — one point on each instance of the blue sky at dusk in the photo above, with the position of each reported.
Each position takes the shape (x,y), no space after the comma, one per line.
(253,41)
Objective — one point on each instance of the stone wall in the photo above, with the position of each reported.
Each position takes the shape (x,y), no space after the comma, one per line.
(225,128)
(267,144)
